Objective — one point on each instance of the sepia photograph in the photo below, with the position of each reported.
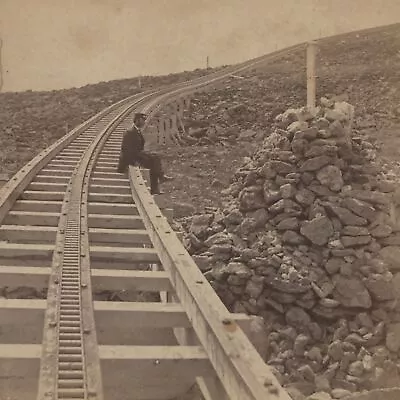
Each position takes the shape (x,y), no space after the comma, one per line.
(200,200)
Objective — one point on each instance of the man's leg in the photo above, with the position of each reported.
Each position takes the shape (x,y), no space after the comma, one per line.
(158,169)
(148,161)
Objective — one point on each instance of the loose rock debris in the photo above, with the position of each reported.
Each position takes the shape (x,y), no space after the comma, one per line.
(308,239)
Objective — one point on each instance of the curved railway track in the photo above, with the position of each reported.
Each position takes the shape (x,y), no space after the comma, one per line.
(74,230)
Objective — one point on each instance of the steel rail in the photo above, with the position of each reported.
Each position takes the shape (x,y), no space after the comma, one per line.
(69,297)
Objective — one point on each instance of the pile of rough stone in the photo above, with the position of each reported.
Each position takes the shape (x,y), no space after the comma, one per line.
(308,240)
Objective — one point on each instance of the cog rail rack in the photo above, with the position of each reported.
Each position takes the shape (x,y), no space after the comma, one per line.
(73,231)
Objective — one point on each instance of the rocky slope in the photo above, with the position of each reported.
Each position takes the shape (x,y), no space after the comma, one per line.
(360,68)
(31,121)
(308,241)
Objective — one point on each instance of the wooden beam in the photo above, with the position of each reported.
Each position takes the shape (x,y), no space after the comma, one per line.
(42,195)
(108,175)
(129,315)
(41,218)
(111,257)
(113,146)
(211,388)
(311,75)
(112,208)
(76,148)
(51,187)
(239,367)
(34,205)
(162,354)
(83,141)
(113,143)
(26,251)
(58,172)
(112,164)
(72,151)
(59,165)
(118,236)
(110,189)
(100,168)
(67,160)
(67,155)
(115,221)
(20,351)
(108,159)
(112,151)
(110,198)
(28,234)
(52,179)
(121,181)
(155,372)
(18,276)
(114,280)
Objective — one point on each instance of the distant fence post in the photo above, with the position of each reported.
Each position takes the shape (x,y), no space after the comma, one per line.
(1,66)
(311,75)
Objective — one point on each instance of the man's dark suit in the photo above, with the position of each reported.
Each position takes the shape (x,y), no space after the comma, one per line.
(132,153)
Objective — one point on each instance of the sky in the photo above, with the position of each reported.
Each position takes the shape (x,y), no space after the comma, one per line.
(55,44)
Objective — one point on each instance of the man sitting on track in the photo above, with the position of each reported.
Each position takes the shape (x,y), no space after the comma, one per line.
(132,153)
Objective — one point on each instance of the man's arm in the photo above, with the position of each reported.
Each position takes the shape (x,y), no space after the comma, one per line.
(133,142)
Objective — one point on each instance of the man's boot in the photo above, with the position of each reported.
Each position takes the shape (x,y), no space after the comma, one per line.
(165,178)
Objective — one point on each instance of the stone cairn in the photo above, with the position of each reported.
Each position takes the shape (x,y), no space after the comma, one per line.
(307,241)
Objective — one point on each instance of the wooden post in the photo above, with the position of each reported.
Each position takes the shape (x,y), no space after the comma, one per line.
(182,125)
(186,103)
(311,75)
(161,131)
(181,107)
(139,82)
(208,62)
(1,65)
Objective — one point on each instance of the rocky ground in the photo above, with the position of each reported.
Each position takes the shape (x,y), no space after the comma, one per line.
(363,70)
(31,121)
(308,239)
(306,234)
(294,215)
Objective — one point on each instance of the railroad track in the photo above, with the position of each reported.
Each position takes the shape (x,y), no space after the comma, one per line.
(73,230)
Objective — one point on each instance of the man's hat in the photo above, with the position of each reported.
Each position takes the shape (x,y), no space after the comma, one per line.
(139,115)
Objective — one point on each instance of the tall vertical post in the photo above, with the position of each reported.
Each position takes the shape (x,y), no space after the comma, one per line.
(311,75)
(161,131)
(139,82)
(208,62)
(1,65)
